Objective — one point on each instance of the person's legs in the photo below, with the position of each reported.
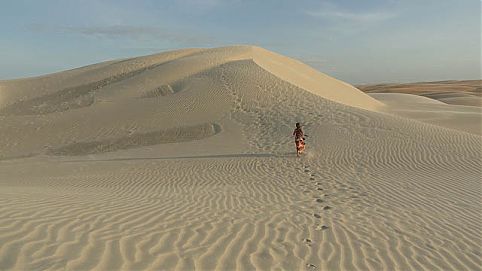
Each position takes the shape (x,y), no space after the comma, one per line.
(298,147)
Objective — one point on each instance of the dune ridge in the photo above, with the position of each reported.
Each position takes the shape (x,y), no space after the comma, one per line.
(204,176)
(451,104)
(461,92)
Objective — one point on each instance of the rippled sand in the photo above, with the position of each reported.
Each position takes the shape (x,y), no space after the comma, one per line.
(184,160)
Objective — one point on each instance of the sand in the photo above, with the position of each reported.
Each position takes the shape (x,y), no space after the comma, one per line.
(184,160)
(451,104)
(468,92)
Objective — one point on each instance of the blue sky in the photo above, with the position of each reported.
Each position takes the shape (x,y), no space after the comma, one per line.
(356,41)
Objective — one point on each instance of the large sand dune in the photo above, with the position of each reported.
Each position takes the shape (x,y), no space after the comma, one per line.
(184,160)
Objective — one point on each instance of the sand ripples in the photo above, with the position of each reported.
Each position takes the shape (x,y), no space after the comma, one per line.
(152,215)
(373,191)
(134,220)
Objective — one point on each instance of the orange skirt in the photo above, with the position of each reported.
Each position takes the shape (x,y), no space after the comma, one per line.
(300,145)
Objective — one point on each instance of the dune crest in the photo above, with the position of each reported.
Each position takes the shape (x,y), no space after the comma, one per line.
(451,104)
(305,77)
(32,95)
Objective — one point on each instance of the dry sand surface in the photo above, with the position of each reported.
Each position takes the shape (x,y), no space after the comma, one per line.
(468,92)
(451,104)
(183,160)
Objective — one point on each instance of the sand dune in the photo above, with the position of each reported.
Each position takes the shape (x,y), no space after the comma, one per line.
(463,118)
(184,160)
(172,135)
(451,104)
(467,92)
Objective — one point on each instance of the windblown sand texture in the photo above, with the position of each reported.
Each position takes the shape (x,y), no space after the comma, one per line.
(467,92)
(183,160)
(451,104)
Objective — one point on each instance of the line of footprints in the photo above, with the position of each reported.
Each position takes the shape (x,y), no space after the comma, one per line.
(342,192)
(318,200)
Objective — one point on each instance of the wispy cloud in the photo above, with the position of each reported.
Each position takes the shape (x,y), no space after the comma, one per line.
(332,12)
(203,5)
(129,32)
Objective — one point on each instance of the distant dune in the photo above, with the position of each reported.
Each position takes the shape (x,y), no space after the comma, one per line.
(451,104)
(184,160)
(467,92)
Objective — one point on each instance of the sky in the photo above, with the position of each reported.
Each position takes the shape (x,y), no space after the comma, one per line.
(372,41)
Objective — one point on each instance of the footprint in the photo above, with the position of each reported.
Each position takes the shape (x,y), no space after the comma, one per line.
(319,200)
(326,208)
(317,215)
(312,179)
(319,189)
(307,240)
(321,227)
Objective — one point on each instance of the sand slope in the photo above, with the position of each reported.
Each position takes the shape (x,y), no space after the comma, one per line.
(467,92)
(184,160)
(451,104)
(459,117)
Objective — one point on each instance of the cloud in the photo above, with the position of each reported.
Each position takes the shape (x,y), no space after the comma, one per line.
(332,12)
(355,17)
(204,5)
(200,3)
(130,32)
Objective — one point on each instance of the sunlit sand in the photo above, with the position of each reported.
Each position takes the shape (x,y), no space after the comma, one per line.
(184,160)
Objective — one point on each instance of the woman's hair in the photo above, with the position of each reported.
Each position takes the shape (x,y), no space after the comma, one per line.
(298,124)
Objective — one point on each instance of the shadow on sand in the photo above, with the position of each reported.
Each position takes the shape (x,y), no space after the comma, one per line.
(216,156)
